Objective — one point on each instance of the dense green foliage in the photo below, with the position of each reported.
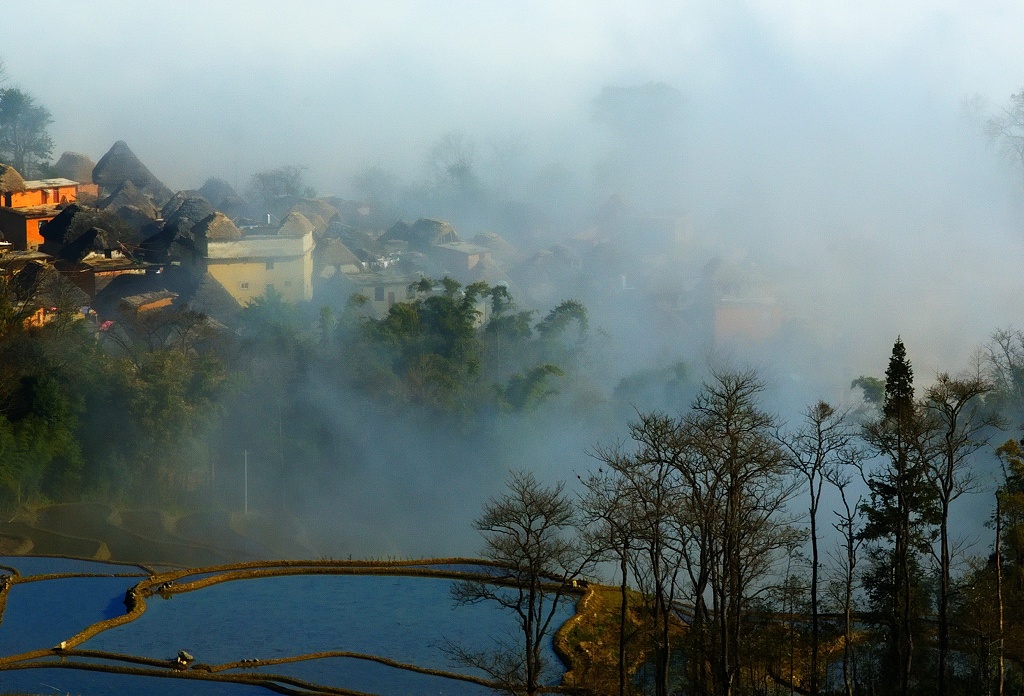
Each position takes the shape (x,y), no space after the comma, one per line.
(456,350)
(147,407)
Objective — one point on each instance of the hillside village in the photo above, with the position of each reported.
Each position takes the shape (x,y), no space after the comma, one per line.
(109,242)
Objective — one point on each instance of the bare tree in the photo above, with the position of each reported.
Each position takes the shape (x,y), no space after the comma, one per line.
(1006,129)
(823,444)
(610,530)
(731,438)
(955,406)
(848,526)
(451,163)
(529,532)
(649,481)
(1003,363)
(274,190)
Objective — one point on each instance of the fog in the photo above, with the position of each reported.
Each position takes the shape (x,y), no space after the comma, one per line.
(838,149)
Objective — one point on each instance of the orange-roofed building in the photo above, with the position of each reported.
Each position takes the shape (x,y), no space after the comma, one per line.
(25,206)
(41,192)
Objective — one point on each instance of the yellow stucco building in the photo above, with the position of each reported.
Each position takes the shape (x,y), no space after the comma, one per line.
(248,263)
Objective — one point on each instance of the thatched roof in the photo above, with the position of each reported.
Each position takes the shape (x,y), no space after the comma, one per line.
(498,245)
(217,190)
(138,219)
(195,290)
(317,211)
(76,220)
(74,166)
(337,254)
(93,239)
(422,234)
(295,225)
(59,231)
(168,244)
(127,194)
(186,206)
(217,226)
(120,164)
(489,271)
(10,179)
(42,285)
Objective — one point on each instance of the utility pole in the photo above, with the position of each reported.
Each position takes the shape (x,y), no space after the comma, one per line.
(245,460)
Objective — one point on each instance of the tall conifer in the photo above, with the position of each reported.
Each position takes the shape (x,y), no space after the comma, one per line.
(901,512)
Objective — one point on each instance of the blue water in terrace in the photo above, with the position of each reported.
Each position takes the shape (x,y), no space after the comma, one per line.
(398,617)
(73,681)
(43,613)
(373,677)
(44,565)
(404,618)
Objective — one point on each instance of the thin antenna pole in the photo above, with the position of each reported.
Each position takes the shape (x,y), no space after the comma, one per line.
(246,461)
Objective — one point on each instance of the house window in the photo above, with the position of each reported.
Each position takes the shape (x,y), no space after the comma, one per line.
(243,286)
(42,224)
(46,196)
(391,298)
(378,293)
(7,200)
(270,265)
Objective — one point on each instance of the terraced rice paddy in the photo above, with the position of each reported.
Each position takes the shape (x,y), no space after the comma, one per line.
(252,628)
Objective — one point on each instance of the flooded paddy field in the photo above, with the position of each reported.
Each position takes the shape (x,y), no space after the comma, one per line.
(73,626)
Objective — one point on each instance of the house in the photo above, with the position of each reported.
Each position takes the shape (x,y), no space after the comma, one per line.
(250,262)
(460,257)
(26,206)
(42,192)
(96,271)
(747,318)
(381,290)
(422,234)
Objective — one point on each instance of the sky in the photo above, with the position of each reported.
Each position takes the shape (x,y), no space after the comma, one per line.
(228,88)
(825,134)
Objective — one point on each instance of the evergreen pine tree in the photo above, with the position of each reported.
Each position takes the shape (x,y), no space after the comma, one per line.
(899,516)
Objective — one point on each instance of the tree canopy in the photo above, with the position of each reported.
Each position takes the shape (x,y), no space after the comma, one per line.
(25,141)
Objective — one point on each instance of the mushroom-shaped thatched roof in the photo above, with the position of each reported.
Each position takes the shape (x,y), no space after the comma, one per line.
(93,239)
(295,225)
(318,212)
(60,229)
(196,290)
(44,286)
(74,166)
(127,194)
(185,209)
(422,234)
(497,244)
(489,271)
(120,164)
(217,226)
(75,220)
(10,179)
(337,254)
(217,191)
(138,219)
